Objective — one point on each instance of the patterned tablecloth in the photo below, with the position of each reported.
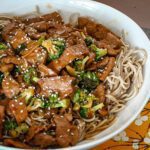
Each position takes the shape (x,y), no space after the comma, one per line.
(136,136)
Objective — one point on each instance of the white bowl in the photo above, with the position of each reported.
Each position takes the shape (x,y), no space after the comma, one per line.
(114,20)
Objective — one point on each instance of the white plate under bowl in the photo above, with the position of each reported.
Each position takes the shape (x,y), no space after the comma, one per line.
(114,20)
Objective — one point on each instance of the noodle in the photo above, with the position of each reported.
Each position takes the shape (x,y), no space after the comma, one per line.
(123,84)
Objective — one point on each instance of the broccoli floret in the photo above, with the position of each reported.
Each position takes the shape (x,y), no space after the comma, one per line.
(71,71)
(83,99)
(2,96)
(97,107)
(55,48)
(29,75)
(80,64)
(10,124)
(20,48)
(55,102)
(88,80)
(16,70)
(89,40)
(98,51)
(27,94)
(3,46)
(84,112)
(21,129)
(35,103)
(41,39)
(1,77)
(80,96)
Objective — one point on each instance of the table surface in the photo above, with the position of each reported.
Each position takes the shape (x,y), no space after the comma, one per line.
(138,10)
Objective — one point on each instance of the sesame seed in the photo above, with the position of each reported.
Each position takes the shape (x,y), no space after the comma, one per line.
(68,130)
(21,111)
(72,133)
(12,105)
(20,103)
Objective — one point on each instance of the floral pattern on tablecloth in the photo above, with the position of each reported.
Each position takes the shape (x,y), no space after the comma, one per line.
(135,137)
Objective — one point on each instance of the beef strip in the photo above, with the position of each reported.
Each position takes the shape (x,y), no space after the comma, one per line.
(66,133)
(10,87)
(6,67)
(4,102)
(34,34)
(60,84)
(96,30)
(19,38)
(71,53)
(43,140)
(12,60)
(39,55)
(31,46)
(100,32)
(99,92)
(2,115)
(111,43)
(108,69)
(33,130)
(7,31)
(53,17)
(41,26)
(45,71)
(15,143)
(98,65)
(18,109)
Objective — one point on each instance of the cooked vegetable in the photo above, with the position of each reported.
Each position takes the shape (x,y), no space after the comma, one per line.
(3,46)
(29,75)
(21,129)
(35,103)
(80,96)
(1,77)
(100,52)
(88,80)
(55,102)
(90,112)
(55,47)
(83,99)
(89,40)
(97,107)
(80,64)
(16,70)
(10,124)
(84,112)
(41,40)
(71,71)
(28,94)
(20,48)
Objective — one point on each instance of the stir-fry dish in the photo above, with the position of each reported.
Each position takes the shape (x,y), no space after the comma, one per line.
(61,83)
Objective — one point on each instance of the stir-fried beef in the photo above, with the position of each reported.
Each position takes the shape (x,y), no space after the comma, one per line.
(62,85)
(10,87)
(18,109)
(52,79)
(66,134)
(15,143)
(71,53)
(42,140)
